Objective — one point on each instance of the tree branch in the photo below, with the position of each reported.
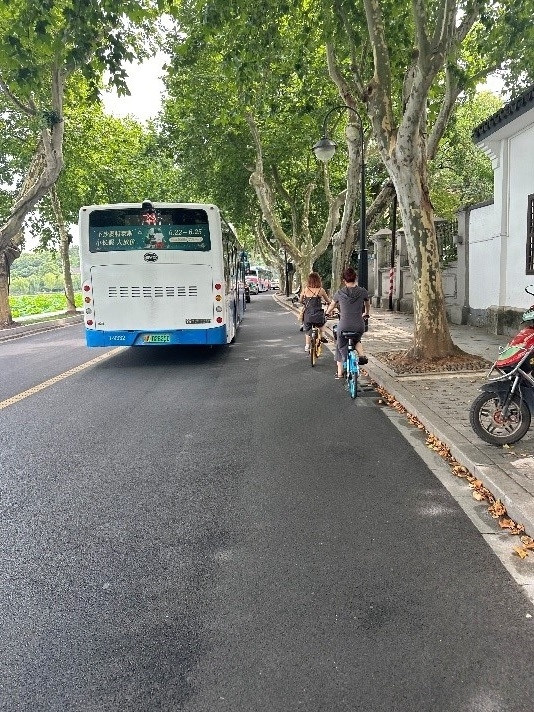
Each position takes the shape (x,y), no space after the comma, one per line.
(264,194)
(420,21)
(280,189)
(29,109)
(452,91)
(45,168)
(378,92)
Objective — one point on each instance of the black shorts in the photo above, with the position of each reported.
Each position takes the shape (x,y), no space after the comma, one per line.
(308,326)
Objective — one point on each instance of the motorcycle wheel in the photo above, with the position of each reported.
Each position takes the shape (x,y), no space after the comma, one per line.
(486,421)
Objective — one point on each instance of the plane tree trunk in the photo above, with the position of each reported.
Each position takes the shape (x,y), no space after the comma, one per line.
(64,243)
(43,172)
(403,144)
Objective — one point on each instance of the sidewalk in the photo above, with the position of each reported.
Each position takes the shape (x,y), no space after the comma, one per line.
(441,403)
(51,320)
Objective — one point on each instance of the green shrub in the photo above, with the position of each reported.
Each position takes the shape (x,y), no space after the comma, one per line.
(31,304)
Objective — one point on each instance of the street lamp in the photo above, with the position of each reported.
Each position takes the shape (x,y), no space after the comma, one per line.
(324,151)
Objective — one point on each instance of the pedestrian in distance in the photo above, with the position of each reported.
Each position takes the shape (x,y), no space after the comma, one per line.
(353,304)
(312,297)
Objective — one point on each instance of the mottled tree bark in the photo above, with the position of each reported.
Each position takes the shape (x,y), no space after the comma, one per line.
(404,146)
(44,170)
(7,257)
(432,337)
(64,243)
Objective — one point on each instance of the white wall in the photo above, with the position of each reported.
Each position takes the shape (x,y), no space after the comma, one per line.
(498,232)
(484,257)
(521,180)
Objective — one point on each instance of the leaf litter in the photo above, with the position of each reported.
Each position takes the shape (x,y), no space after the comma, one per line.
(496,508)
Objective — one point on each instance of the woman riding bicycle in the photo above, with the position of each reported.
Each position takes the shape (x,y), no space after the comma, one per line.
(353,304)
(312,296)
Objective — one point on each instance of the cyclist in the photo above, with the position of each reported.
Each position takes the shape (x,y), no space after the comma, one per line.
(312,297)
(353,304)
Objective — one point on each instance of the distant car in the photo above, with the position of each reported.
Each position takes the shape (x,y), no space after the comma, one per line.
(275,284)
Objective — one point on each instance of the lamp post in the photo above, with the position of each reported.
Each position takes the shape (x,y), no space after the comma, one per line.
(392,253)
(287,273)
(324,151)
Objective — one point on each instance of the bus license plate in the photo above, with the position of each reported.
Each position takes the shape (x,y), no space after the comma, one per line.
(157,338)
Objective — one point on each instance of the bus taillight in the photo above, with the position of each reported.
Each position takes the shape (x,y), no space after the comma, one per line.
(218,286)
(219,320)
(86,287)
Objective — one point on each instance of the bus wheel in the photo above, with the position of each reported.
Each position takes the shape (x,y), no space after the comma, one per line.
(234,331)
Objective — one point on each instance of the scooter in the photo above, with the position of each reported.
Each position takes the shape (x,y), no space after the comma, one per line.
(502,413)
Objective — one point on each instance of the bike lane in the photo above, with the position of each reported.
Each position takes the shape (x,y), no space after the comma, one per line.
(358,582)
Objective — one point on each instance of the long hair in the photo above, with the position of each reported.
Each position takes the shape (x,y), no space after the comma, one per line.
(314,280)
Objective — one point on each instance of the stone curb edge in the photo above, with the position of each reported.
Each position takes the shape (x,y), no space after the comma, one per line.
(14,331)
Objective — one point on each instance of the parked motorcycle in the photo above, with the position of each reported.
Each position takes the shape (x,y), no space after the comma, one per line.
(501,414)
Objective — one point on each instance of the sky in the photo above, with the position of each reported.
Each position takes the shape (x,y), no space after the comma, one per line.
(145,85)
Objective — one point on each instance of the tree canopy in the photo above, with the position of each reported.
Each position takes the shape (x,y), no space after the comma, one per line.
(42,45)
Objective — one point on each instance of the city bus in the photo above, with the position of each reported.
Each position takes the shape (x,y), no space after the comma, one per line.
(160,274)
(262,275)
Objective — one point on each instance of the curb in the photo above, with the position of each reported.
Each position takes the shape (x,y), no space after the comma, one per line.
(519,502)
(14,331)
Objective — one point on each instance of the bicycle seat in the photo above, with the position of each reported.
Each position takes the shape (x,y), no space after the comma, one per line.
(349,334)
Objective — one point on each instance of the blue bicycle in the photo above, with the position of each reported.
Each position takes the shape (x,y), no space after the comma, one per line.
(352,367)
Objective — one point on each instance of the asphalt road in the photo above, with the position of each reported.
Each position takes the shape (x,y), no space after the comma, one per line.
(195,530)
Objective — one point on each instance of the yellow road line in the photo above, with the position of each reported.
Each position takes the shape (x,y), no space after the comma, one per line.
(56,379)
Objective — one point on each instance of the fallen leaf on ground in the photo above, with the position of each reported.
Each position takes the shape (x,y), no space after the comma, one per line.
(506,523)
(476,484)
(497,509)
(528,542)
(401,363)
(479,492)
(520,552)
(513,527)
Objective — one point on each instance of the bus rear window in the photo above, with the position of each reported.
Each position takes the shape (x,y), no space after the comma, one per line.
(149,229)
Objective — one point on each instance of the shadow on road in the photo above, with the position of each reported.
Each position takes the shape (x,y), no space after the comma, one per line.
(165,356)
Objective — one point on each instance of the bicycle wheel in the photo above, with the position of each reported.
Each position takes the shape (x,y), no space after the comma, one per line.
(352,374)
(313,349)
(346,372)
(318,344)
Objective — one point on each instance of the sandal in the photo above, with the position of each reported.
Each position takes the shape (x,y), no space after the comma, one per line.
(338,377)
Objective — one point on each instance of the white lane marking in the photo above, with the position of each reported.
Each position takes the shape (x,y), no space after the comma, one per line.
(51,381)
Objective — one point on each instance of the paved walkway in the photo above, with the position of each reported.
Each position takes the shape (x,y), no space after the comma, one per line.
(441,403)
(51,320)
